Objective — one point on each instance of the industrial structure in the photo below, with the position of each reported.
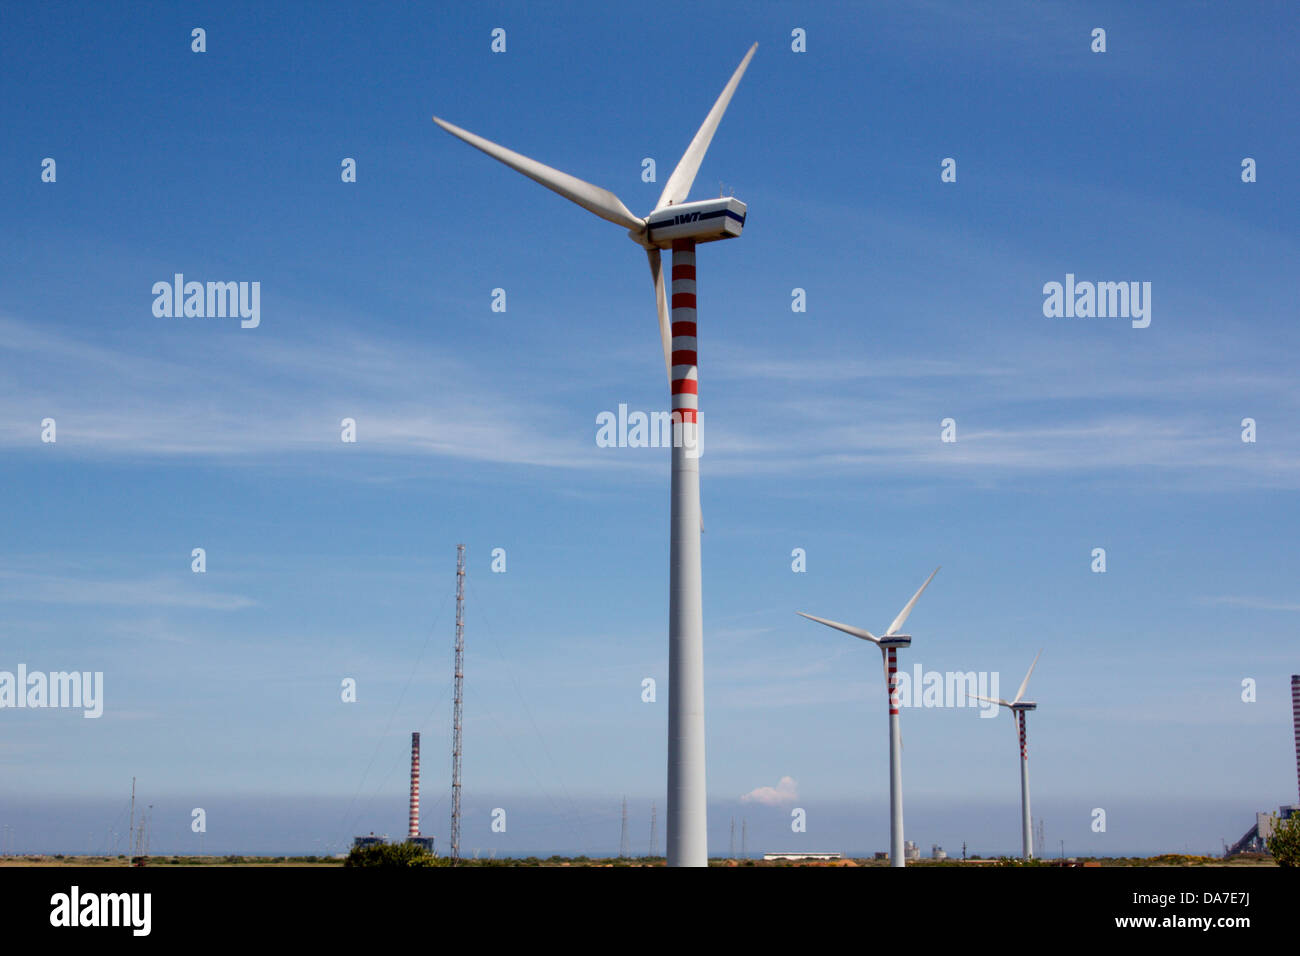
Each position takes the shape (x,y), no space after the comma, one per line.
(805,855)
(889,645)
(361,842)
(1255,840)
(413,834)
(456,704)
(413,818)
(678,225)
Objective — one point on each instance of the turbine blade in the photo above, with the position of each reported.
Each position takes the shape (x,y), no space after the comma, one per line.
(661,303)
(679,183)
(855,631)
(990,700)
(902,615)
(1025,683)
(593,198)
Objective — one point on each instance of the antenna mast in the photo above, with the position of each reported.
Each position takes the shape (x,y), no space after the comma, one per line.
(654,831)
(624,850)
(456,707)
(130,834)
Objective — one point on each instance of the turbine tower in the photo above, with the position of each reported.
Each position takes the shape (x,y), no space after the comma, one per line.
(677,225)
(1018,710)
(889,645)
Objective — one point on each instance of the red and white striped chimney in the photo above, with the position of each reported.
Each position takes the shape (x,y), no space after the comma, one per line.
(1295,721)
(413,829)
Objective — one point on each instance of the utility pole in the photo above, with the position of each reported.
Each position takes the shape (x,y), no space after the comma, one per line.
(963,850)
(456,706)
(731,853)
(624,848)
(744,830)
(130,834)
(654,830)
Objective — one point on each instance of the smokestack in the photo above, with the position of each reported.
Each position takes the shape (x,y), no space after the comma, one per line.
(1295,721)
(413,830)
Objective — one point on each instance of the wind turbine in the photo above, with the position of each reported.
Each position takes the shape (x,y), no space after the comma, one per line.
(889,645)
(677,225)
(1018,709)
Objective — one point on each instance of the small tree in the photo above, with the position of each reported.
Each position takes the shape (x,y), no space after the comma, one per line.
(1284,841)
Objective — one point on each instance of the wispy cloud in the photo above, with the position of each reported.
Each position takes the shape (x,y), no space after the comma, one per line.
(1022,414)
(20,587)
(1254,603)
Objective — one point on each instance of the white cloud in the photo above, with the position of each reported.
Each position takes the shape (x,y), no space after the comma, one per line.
(785,793)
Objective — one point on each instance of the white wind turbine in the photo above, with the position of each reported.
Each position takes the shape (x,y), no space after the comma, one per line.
(889,645)
(677,225)
(1018,709)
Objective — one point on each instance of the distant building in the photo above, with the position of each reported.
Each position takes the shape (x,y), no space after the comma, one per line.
(423,841)
(937,852)
(1256,838)
(911,851)
(361,842)
(804,855)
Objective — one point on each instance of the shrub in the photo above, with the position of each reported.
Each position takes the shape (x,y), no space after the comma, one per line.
(393,854)
(1284,842)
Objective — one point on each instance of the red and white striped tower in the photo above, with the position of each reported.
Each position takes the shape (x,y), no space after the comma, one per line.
(413,826)
(1295,720)
(896,852)
(687,830)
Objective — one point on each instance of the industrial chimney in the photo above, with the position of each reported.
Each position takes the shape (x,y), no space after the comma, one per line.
(413,829)
(1295,721)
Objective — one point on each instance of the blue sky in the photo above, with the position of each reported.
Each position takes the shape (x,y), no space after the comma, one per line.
(329,560)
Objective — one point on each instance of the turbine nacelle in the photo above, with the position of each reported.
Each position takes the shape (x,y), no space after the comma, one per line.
(896,640)
(1024,705)
(704,221)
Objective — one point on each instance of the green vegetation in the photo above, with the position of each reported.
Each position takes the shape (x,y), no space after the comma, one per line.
(393,854)
(1284,842)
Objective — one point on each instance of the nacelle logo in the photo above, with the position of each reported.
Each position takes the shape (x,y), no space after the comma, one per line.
(677,220)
